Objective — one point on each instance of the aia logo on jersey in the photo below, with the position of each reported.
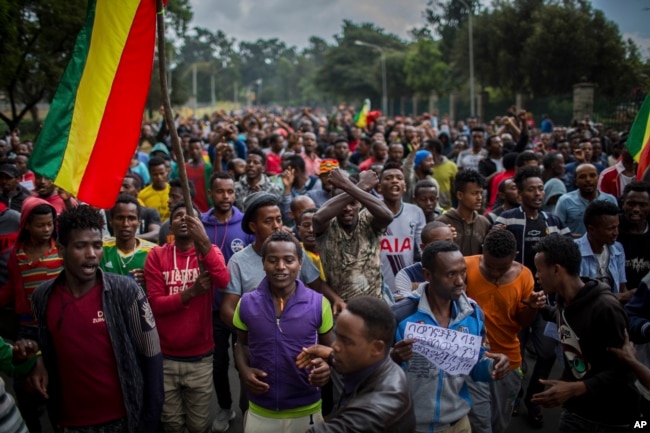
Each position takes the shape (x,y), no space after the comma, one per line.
(392,244)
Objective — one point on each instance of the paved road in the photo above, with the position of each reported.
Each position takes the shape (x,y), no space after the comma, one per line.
(518,425)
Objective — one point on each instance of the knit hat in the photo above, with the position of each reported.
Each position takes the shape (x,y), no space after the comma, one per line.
(328,165)
(420,156)
(254,202)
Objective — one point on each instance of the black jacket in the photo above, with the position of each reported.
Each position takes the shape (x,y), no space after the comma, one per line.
(15,201)
(593,321)
(380,403)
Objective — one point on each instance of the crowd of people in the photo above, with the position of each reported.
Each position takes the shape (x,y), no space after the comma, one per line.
(394,276)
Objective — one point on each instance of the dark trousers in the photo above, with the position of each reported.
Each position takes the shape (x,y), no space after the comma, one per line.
(221,360)
(544,349)
(30,404)
(570,423)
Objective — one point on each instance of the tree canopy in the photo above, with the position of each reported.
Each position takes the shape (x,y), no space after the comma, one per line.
(538,47)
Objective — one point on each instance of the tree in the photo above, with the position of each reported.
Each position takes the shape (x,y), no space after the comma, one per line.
(36,41)
(353,72)
(445,19)
(543,48)
(425,71)
(260,60)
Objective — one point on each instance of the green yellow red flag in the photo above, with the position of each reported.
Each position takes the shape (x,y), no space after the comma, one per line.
(91,131)
(638,140)
(361,118)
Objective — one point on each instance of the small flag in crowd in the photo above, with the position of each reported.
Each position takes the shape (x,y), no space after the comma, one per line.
(638,140)
(361,118)
(91,131)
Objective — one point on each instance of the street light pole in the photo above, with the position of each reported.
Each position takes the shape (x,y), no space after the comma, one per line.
(384,84)
(471,61)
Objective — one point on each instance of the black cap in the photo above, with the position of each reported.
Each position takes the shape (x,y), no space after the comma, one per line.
(10,170)
(254,202)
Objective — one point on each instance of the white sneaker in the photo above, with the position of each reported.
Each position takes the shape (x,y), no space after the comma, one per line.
(222,420)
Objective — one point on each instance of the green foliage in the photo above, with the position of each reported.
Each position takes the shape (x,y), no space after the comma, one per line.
(543,48)
(353,72)
(36,40)
(425,71)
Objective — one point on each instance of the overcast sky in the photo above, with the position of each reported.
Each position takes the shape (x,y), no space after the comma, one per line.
(294,21)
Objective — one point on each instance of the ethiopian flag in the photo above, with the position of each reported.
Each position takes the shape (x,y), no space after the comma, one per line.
(361,118)
(91,131)
(638,140)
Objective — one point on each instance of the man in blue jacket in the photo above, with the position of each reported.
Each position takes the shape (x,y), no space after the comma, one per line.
(431,356)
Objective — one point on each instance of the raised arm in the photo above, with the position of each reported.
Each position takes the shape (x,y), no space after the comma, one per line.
(368,179)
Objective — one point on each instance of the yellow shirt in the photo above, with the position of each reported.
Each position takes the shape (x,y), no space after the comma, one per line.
(157,199)
(315,259)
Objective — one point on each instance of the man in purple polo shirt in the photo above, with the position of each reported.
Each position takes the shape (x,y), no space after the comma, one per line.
(273,324)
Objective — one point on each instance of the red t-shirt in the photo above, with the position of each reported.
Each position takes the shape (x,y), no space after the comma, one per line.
(197,175)
(494,187)
(273,163)
(90,385)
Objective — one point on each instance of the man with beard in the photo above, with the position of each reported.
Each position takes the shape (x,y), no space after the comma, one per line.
(125,254)
(403,235)
(571,206)
(223,226)
(633,232)
(255,179)
(180,293)
(349,237)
